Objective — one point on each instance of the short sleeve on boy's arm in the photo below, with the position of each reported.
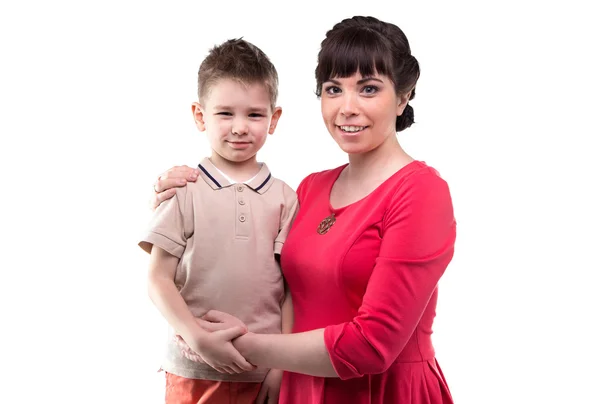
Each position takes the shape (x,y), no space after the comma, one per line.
(166,229)
(288,215)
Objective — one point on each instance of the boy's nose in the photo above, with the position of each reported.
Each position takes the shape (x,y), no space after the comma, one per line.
(240,127)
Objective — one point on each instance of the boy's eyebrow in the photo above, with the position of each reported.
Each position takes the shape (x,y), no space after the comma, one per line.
(251,109)
(361,81)
(258,109)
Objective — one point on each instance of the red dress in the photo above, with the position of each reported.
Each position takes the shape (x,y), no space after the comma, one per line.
(371,282)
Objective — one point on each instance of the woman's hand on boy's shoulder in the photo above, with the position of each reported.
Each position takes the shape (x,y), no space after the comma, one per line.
(167,182)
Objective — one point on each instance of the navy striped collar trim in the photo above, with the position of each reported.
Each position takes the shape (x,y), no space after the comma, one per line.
(261,183)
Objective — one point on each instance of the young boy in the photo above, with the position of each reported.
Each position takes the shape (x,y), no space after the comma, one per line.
(214,245)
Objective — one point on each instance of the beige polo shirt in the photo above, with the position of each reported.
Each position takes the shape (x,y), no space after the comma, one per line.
(226,236)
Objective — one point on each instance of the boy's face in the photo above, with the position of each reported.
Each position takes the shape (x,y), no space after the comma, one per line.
(237,118)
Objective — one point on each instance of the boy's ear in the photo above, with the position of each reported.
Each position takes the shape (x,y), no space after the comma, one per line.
(198,113)
(274,119)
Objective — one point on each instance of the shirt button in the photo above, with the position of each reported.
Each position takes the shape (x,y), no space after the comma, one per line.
(240,188)
(241,202)
(242,218)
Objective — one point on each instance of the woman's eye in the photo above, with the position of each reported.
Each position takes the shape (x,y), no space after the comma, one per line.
(370,89)
(331,90)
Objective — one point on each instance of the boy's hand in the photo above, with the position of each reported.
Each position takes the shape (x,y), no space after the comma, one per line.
(186,351)
(217,351)
(269,391)
(164,187)
(220,319)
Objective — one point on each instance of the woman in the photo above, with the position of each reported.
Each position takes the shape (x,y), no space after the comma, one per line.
(370,242)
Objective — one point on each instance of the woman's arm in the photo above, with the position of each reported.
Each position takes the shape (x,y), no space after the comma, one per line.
(300,353)
(418,243)
(418,234)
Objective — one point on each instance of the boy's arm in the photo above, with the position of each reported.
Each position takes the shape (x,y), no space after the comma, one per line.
(215,348)
(287,312)
(166,297)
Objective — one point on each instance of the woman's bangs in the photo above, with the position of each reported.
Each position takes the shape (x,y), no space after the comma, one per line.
(352,51)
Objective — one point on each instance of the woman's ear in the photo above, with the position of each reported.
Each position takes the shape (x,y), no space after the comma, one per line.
(402,102)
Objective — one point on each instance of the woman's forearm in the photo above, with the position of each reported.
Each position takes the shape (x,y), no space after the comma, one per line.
(300,353)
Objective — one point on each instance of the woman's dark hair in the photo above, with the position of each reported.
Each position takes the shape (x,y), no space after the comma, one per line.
(369,46)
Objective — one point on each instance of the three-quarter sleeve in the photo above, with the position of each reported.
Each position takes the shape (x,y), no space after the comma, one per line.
(418,234)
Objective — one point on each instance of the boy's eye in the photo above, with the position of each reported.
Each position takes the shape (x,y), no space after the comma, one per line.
(331,90)
(224,113)
(370,89)
(255,115)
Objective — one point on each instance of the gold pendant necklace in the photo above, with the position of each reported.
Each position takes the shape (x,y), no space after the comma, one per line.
(326,224)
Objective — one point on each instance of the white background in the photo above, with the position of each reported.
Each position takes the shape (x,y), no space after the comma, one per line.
(95,103)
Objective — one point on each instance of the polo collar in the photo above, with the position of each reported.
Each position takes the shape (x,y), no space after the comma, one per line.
(209,173)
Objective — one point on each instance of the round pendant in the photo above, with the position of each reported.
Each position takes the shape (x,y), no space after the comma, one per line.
(326,224)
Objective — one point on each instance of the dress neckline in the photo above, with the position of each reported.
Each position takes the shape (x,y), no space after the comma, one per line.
(337,174)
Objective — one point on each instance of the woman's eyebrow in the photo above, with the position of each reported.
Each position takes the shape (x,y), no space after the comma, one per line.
(361,81)
(369,78)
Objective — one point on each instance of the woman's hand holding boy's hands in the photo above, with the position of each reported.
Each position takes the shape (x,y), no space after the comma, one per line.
(216,350)
(213,322)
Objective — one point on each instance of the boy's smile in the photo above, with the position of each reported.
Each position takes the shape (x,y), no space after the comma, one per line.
(237,118)
(238,145)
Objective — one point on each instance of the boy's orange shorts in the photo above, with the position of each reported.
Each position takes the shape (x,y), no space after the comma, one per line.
(180,390)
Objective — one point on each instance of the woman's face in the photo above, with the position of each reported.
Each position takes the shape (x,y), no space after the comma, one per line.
(360,112)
